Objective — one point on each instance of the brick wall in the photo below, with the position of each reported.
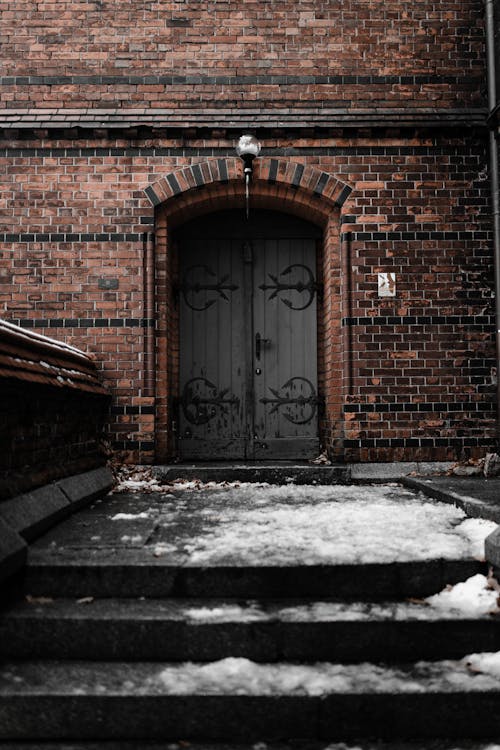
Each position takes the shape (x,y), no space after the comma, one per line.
(101,102)
(420,363)
(225,54)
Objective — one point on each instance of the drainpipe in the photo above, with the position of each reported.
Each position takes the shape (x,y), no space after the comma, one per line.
(347,311)
(495,193)
(149,311)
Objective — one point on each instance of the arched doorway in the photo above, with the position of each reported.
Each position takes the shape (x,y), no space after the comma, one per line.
(248,293)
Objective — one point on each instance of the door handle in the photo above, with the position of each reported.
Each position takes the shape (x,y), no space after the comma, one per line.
(259,343)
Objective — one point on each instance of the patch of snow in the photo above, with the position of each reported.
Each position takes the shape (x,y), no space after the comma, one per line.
(472,598)
(239,676)
(315,612)
(163,549)
(131,516)
(139,485)
(227,613)
(333,524)
(485,663)
(476,530)
(330,611)
(133,539)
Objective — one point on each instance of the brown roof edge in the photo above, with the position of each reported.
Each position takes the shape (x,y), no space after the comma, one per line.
(31,356)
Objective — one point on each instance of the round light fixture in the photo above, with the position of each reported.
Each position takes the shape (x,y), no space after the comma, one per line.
(247,148)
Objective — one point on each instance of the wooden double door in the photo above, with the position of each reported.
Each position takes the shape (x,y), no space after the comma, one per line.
(247,298)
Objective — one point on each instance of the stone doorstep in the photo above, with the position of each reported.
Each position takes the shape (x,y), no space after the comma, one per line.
(286,472)
(300,472)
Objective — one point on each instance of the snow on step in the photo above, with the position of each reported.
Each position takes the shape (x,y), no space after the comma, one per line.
(264,525)
(469,599)
(240,676)
(332,525)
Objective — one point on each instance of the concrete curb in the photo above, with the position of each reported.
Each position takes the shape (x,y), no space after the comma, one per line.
(473,506)
(476,507)
(395,472)
(83,488)
(27,516)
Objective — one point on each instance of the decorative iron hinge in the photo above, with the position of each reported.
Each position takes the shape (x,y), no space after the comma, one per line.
(309,285)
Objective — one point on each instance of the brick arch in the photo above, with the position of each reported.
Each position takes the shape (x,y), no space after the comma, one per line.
(218,182)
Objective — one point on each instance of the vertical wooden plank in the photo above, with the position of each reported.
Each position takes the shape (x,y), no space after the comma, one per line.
(212,350)
(286,390)
(248,413)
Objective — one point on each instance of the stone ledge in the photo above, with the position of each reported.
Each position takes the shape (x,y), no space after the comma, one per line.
(12,551)
(27,516)
(83,488)
(34,512)
(307,115)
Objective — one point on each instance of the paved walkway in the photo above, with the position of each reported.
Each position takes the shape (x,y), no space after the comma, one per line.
(269,525)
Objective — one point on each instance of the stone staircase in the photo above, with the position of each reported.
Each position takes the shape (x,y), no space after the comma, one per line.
(116,649)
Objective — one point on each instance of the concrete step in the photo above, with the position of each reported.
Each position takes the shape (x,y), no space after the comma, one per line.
(108,574)
(281,472)
(289,745)
(267,631)
(239,701)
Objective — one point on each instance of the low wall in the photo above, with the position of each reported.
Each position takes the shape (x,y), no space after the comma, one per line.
(52,411)
(52,408)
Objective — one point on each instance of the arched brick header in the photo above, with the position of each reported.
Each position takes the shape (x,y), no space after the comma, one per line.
(290,174)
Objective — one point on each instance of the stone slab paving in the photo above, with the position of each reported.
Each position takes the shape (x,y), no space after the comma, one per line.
(264,525)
